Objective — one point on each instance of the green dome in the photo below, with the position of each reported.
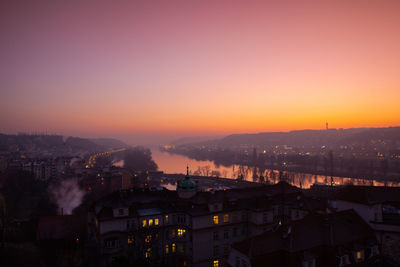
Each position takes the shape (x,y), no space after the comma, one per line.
(187,184)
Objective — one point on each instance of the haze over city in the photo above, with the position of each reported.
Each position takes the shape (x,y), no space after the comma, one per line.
(155,71)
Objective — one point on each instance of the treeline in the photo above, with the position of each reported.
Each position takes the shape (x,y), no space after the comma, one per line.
(327,164)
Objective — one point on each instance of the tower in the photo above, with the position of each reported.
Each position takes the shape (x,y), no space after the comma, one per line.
(186,188)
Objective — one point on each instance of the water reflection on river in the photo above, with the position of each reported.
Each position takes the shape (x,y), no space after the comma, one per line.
(172,163)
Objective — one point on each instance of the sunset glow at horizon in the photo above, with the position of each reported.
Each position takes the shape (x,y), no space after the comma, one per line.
(110,68)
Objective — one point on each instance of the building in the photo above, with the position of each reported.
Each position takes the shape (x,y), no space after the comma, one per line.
(187,227)
(337,239)
(380,207)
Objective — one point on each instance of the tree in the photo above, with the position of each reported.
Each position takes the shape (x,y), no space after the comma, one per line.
(139,159)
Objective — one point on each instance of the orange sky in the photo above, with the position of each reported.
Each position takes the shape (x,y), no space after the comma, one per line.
(198,67)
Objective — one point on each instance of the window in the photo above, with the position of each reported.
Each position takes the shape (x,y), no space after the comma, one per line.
(147,239)
(226,249)
(359,255)
(216,250)
(235,231)
(309,263)
(130,239)
(265,217)
(111,243)
(173,233)
(235,217)
(120,212)
(148,253)
(144,223)
(215,235)
(150,222)
(226,218)
(155,221)
(215,219)
(226,235)
(166,249)
(181,232)
(237,262)
(166,218)
(216,207)
(173,248)
(180,248)
(216,263)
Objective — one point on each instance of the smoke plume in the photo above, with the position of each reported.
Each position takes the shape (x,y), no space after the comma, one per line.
(67,195)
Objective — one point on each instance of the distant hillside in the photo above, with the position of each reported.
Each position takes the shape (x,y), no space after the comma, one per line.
(309,137)
(109,143)
(193,139)
(56,143)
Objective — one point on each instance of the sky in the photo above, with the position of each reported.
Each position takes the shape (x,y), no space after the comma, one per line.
(146,69)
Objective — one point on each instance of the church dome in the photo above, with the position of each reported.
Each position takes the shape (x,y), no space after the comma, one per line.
(187,187)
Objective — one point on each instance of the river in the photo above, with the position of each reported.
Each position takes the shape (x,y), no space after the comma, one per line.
(173,163)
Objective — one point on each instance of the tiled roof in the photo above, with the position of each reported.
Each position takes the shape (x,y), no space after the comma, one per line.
(368,195)
(314,230)
(62,227)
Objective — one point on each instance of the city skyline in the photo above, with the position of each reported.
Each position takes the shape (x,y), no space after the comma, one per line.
(186,68)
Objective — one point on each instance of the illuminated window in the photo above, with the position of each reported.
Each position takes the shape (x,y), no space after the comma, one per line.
(215,219)
(216,263)
(173,233)
(148,253)
(181,232)
(155,221)
(147,239)
(144,223)
(130,239)
(166,218)
(226,218)
(166,249)
(173,248)
(150,222)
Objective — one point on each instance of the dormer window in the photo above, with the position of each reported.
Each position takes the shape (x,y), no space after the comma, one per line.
(359,255)
(309,263)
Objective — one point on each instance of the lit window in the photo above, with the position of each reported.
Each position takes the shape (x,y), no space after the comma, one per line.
(216,263)
(150,222)
(173,248)
(166,249)
(166,218)
(359,255)
(148,253)
(181,232)
(180,248)
(147,239)
(130,239)
(173,233)
(215,219)
(144,223)
(155,221)
(226,218)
